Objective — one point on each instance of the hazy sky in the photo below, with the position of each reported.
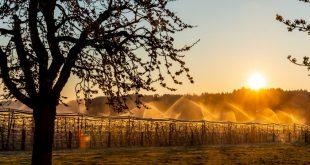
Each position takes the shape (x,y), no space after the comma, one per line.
(238,38)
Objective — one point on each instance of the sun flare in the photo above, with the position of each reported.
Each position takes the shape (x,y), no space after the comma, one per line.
(256,81)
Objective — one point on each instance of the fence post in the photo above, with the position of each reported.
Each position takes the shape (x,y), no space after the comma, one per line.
(192,137)
(212,136)
(142,138)
(91,136)
(65,132)
(229,133)
(128,132)
(78,131)
(23,140)
(156,135)
(109,135)
(273,134)
(306,137)
(10,118)
(100,133)
(170,134)
(69,140)
(109,140)
(2,137)
(203,132)
(13,134)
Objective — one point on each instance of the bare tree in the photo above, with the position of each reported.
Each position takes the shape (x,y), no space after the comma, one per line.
(119,47)
(301,25)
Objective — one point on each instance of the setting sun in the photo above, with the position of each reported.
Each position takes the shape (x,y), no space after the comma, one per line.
(256,81)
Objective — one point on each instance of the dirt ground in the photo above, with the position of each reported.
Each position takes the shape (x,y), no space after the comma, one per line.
(246,154)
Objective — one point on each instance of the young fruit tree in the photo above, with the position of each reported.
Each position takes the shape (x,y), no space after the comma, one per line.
(118,47)
(300,25)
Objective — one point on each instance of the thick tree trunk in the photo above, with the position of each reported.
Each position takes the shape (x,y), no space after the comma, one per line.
(43,135)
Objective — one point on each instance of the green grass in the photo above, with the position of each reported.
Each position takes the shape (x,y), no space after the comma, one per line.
(246,154)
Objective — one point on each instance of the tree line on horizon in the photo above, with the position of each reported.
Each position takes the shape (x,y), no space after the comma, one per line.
(295,102)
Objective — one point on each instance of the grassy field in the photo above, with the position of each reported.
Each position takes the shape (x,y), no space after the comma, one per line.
(247,154)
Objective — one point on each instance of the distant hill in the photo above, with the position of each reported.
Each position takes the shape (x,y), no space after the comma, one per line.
(242,105)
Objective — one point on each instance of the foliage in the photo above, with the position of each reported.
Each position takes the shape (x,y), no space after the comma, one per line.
(300,25)
(119,47)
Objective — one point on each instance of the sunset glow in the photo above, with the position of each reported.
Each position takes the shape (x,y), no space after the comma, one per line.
(256,81)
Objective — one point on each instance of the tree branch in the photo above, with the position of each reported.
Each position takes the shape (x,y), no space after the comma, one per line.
(8,82)
(76,49)
(5,31)
(23,61)
(37,44)
(58,58)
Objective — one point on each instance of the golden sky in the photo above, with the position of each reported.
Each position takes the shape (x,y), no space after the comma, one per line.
(239,38)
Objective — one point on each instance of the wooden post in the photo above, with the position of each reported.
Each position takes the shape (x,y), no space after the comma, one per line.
(308,141)
(100,132)
(203,132)
(266,134)
(91,136)
(10,116)
(192,137)
(156,135)
(170,134)
(147,135)
(65,132)
(23,140)
(78,132)
(306,137)
(294,132)
(142,138)
(32,131)
(229,134)
(13,133)
(109,140)
(69,145)
(2,137)
(56,134)
(212,136)
(129,133)
(273,134)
